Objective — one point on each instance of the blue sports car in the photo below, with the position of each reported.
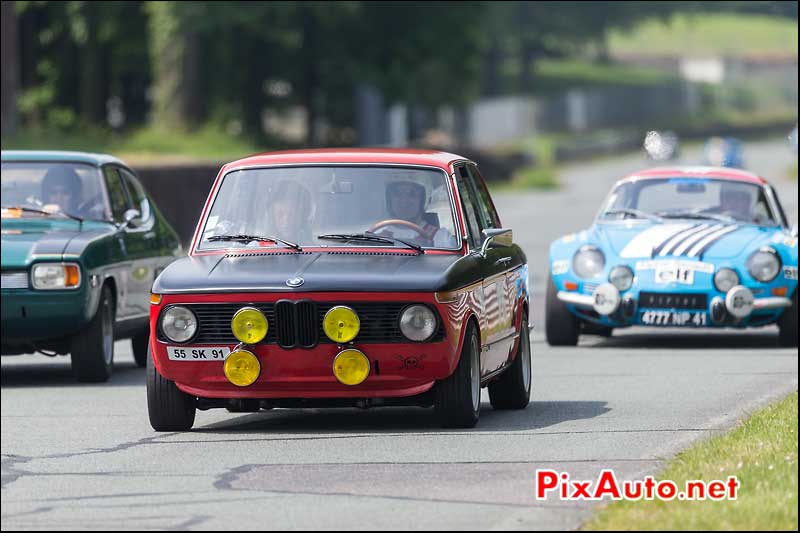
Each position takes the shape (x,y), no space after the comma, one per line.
(692,247)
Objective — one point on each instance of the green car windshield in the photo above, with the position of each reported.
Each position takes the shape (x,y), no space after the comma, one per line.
(332,206)
(46,188)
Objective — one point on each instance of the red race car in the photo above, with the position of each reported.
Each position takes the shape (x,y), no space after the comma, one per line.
(342,278)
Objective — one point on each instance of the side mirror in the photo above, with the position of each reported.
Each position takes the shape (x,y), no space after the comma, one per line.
(495,238)
(131,218)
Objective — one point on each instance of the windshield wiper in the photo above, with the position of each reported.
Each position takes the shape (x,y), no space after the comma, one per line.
(370,237)
(43,212)
(250,238)
(634,212)
(697,215)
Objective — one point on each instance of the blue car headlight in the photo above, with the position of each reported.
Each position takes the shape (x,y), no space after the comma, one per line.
(725,279)
(621,277)
(588,262)
(764,265)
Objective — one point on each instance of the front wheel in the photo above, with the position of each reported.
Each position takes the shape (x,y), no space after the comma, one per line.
(92,350)
(512,390)
(561,327)
(458,398)
(169,408)
(140,343)
(787,324)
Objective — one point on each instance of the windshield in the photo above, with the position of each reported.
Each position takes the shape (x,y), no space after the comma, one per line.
(332,206)
(66,188)
(726,200)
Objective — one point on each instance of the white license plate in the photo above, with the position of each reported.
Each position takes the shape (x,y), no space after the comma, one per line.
(673,318)
(198,353)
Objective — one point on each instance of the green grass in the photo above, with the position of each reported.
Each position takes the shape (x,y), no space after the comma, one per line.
(557,75)
(708,34)
(761,451)
(140,146)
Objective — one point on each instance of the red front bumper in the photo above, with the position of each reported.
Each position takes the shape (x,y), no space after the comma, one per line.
(396,370)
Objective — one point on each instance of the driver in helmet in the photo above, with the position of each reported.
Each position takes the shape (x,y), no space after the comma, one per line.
(736,202)
(291,212)
(405,201)
(61,190)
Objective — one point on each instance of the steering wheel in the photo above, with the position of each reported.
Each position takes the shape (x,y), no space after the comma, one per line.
(398,222)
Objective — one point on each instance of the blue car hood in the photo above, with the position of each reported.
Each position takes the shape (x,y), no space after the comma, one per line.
(691,239)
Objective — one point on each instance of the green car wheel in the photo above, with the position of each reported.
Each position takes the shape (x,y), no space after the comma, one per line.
(93,349)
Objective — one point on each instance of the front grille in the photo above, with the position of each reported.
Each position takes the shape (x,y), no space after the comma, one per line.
(672,300)
(295,323)
(14,280)
(589,288)
(298,323)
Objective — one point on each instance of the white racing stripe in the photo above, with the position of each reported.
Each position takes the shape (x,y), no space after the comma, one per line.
(643,244)
(667,248)
(687,243)
(711,238)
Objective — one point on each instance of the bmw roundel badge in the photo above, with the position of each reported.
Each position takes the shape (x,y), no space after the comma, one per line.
(295,282)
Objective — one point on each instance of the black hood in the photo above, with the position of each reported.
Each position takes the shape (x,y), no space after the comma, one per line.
(319,271)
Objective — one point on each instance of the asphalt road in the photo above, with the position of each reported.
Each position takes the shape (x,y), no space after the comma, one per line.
(84,456)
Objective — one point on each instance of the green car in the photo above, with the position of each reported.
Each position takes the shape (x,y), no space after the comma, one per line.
(82,243)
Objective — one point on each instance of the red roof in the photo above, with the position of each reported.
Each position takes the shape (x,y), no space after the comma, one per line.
(350,155)
(722,173)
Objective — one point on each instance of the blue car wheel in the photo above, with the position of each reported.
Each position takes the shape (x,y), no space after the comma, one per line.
(562,328)
(787,325)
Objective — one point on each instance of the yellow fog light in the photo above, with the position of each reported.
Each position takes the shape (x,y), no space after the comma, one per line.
(351,367)
(249,325)
(242,368)
(341,324)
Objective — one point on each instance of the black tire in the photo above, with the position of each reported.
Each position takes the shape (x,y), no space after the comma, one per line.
(140,343)
(512,390)
(169,408)
(561,327)
(787,324)
(92,350)
(456,405)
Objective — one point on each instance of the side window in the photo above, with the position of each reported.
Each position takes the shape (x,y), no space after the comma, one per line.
(484,200)
(137,194)
(468,202)
(116,192)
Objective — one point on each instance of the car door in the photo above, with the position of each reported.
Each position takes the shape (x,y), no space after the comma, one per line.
(142,244)
(491,270)
(120,269)
(510,263)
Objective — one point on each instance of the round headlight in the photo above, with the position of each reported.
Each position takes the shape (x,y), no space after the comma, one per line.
(764,265)
(725,279)
(242,368)
(418,323)
(341,324)
(621,277)
(588,262)
(249,325)
(179,324)
(351,367)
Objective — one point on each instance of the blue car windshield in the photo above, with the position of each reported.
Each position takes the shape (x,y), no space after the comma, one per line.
(693,198)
